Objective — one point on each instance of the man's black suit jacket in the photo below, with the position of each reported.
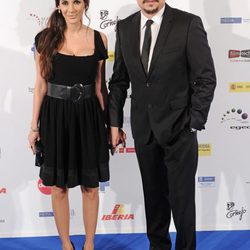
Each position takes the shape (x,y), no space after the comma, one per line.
(177,91)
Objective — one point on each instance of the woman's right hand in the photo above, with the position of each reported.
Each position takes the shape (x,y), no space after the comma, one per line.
(32,138)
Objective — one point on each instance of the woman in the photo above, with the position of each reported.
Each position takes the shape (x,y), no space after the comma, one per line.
(68,112)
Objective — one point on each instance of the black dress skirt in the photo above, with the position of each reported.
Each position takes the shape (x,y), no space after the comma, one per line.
(73,133)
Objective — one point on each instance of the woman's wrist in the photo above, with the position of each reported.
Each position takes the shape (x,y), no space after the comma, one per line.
(34,127)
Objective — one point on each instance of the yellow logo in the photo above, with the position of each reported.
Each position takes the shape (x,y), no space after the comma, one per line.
(237,87)
(119,209)
(111,55)
(205,150)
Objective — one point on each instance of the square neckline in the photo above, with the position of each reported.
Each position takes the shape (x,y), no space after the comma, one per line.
(79,56)
(62,54)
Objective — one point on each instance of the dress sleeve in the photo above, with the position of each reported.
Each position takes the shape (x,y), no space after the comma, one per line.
(100,48)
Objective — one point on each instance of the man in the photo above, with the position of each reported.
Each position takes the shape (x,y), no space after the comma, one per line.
(165,55)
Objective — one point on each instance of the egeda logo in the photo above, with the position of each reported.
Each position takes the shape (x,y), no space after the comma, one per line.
(236,118)
(232,212)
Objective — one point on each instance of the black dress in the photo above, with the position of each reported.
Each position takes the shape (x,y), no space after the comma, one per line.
(73,133)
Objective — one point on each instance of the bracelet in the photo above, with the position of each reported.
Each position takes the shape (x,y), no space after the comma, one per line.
(34,130)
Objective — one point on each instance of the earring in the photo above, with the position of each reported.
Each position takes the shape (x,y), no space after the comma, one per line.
(59,11)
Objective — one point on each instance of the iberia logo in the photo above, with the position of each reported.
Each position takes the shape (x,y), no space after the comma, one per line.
(43,189)
(118,213)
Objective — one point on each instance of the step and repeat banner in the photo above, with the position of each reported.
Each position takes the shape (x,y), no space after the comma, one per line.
(223,177)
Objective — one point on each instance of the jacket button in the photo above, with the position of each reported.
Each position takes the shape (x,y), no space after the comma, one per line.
(148,84)
(149,106)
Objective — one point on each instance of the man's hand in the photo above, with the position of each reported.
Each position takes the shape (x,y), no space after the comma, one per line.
(118,136)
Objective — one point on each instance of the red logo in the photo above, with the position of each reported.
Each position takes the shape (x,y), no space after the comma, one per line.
(234,53)
(3,191)
(118,213)
(126,150)
(43,189)
(233,86)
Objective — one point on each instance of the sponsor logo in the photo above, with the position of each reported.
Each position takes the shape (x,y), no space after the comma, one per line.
(31,90)
(104,14)
(43,189)
(232,212)
(239,55)
(225,20)
(236,118)
(41,21)
(3,190)
(111,55)
(206,181)
(51,213)
(105,21)
(239,87)
(46,214)
(118,213)
(2,221)
(103,185)
(33,50)
(128,150)
(246,20)
(205,149)
(234,20)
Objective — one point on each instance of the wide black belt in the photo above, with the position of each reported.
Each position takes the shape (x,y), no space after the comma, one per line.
(74,93)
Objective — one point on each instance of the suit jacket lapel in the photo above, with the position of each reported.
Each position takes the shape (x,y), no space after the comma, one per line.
(162,36)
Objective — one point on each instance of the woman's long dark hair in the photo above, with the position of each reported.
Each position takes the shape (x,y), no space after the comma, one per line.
(51,39)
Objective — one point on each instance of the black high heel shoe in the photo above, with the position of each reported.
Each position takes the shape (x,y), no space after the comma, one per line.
(72,245)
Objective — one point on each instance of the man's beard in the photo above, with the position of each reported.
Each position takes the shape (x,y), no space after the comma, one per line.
(153,11)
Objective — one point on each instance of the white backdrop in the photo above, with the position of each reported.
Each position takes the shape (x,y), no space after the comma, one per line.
(223,177)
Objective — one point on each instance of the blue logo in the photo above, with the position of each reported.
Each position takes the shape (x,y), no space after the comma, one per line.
(225,20)
(46,214)
(103,185)
(206,181)
(33,49)
(51,213)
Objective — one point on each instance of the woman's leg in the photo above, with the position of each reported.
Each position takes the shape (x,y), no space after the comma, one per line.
(90,198)
(60,204)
